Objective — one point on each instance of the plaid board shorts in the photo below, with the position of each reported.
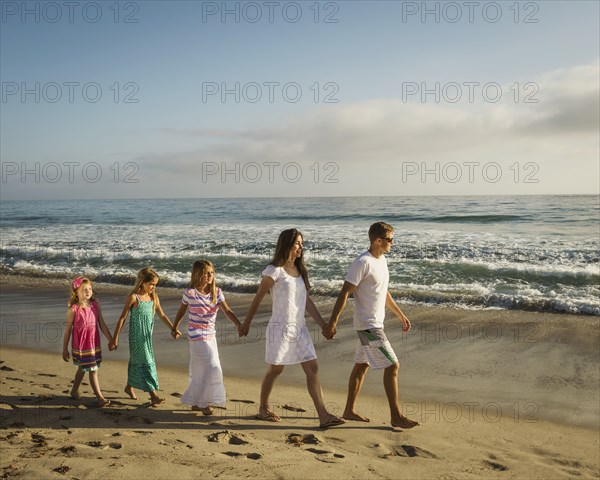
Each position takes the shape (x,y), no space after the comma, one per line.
(374,349)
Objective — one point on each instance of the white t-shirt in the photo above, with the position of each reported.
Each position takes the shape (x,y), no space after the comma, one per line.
(289,297)
(371,277)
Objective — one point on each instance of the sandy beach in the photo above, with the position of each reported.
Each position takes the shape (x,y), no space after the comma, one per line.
(500,394)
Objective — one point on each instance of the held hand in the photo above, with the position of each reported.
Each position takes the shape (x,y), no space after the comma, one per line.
(244,329)
(175,334)
(65,355)
(111,346)
(116,342)
(405,324)
(329,330)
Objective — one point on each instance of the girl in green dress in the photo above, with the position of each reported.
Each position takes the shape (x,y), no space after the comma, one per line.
(142,303)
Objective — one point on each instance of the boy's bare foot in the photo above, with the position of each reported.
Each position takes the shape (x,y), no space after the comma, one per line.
(355,416)
(402,422)
(129,391)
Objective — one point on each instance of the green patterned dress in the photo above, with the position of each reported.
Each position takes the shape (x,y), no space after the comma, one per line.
(141,372)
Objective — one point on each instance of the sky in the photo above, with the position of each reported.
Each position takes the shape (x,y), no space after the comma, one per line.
(181,99)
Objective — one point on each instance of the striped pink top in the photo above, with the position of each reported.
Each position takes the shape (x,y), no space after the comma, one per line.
(202,314)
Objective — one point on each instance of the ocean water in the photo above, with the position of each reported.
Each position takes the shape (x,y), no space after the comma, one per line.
(539,253)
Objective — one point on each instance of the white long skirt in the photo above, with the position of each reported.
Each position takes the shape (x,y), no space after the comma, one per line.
(206,385)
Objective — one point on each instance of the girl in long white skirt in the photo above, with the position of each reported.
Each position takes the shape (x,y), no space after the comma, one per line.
(203,299)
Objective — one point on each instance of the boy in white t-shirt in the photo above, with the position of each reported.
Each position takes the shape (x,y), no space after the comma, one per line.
(368,279)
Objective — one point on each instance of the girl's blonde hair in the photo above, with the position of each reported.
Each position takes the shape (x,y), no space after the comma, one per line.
(75,284)
(146,275)
(198,269)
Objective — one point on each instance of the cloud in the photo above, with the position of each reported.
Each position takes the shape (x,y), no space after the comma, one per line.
(383,132)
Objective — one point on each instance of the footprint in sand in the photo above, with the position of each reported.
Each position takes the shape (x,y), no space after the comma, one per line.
(62,469)
(176,395)
(39,440)
(242,401)
(299,439)
(251,456)
(68,451)
(495,466)
(4,368)
(292,408)
(403,451)
(412,451)
(325,455)
(11,471)
(186,444)
(46,375)
(227,436)
(10,436)
(136,419)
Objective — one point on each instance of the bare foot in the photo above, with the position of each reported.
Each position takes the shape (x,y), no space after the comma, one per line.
(268,415)
(196,408)
(207,411)
(331,421)
(103,402)
(75,395)
(355,416)
(129,391)
(156,400)
(402,422)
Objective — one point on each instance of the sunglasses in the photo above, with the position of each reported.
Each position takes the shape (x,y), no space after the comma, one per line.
(388,239)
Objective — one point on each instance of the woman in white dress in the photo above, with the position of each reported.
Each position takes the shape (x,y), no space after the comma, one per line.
(288,339)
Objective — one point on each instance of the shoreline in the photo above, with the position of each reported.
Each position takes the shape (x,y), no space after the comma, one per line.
(9,278)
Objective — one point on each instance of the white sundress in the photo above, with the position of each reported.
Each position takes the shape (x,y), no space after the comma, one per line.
(288,340)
